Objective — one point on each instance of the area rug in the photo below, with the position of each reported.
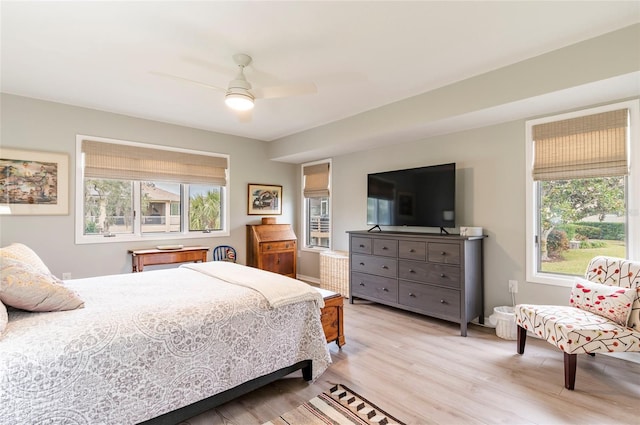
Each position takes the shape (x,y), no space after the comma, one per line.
(338,406)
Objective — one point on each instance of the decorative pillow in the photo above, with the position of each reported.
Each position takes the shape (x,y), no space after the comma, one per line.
(21,252)
(612,302)
(4,318)
(24,286)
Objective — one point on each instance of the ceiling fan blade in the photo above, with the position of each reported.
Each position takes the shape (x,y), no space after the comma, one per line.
(285,91)
(175,77)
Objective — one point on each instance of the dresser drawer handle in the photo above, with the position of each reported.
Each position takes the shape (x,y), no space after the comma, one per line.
(411,271)
(384,248)
(443,302)
(362,264)
(441,274)
(411,294)
(412,250)
(361,246)
(385,267)
(385,289)
(361,283)
(443,253)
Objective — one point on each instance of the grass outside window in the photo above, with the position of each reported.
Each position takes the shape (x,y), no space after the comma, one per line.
(575,261)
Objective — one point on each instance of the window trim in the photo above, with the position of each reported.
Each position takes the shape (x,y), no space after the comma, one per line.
(303,245)
(632,190)
(137,235)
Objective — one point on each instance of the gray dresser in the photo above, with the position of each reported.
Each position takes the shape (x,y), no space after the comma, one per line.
(436,275)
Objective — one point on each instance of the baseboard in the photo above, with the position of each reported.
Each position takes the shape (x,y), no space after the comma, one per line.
(312,280)
(486,324)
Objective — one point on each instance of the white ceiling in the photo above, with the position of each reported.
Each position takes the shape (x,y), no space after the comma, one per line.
(361,55)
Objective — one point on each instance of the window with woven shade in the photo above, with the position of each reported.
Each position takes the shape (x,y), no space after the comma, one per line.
(579,190)
(316,182)
(131,191)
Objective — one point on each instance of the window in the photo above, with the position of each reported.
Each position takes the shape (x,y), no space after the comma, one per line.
(132,191)
(316,181)
(581,195)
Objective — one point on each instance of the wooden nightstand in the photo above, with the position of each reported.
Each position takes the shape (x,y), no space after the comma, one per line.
(152,257)
(332,316)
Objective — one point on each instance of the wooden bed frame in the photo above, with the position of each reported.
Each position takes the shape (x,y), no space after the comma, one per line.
(186,412)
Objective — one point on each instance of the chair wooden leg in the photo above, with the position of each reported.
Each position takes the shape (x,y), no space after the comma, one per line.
(522,339)
(570,362)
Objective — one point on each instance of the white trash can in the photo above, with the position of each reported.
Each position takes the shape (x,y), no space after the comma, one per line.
(504,319)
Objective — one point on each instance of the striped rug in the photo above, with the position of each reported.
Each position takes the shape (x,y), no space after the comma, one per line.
(338,406)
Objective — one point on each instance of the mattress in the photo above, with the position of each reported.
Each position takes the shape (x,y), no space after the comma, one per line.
(146,344)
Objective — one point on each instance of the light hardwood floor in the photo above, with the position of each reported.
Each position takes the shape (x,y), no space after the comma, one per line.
(422,371)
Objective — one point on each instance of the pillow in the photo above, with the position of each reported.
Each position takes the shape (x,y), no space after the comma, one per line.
(4,318)
(611,302)
(21,252)
(24,286)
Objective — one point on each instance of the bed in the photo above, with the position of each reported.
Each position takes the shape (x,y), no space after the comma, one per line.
(158,346)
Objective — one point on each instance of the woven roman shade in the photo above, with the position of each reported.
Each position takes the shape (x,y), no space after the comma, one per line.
(316,180)
(129,162)
(583,147)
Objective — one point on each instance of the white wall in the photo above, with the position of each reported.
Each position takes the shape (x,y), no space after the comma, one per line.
(45,126)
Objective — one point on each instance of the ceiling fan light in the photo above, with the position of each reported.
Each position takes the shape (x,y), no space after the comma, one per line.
(239,101)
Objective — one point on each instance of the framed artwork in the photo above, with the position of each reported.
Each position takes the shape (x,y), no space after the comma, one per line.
(34,183)
(265,199)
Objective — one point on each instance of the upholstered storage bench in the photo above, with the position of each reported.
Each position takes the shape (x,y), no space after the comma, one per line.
(604,315)
(332,316)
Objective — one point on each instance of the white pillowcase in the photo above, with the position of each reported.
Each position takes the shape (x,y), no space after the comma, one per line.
(612,302)
(25,287)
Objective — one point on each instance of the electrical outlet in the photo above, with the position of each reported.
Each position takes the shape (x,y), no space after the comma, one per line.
(513,286)
(66,275)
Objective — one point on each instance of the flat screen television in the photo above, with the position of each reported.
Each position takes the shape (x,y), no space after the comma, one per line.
(423,197)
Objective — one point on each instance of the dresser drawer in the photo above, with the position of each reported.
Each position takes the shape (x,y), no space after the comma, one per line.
(447,253)
(412,250)
(383,266)
(386,247)
(381,288)
(361,245)
(429,273)
(440,302)
(277,246)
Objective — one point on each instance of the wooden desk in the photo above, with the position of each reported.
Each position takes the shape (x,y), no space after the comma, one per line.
(151,257)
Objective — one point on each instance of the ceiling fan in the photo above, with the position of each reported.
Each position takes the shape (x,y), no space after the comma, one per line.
(240,95)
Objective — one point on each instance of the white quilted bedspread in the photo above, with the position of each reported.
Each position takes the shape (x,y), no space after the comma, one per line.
(146,344)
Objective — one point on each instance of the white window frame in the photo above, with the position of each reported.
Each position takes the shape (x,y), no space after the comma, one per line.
(632,188)
(137,234)
(305,246)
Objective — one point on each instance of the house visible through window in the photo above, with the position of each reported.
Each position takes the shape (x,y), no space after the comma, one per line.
(317,204)
(579,190)
(129,191)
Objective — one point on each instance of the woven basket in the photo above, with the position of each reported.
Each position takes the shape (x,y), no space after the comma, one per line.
(334,271)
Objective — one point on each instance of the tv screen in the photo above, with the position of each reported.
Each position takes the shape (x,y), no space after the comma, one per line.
(423,196)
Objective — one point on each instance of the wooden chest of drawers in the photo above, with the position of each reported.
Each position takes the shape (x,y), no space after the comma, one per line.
(435,275)
(332,317)
(272,247)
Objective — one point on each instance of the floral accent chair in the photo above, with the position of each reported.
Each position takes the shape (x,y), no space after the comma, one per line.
(603,315)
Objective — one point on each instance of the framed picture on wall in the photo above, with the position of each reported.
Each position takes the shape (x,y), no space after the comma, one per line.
(34,183)
(264,199)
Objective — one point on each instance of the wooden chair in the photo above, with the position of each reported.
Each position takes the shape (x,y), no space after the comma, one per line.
(224,253)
